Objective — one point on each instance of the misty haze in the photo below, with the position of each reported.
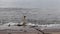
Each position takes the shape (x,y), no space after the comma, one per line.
(29,16)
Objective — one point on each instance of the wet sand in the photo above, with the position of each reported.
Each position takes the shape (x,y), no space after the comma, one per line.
(34,32)
(20,30)
(18,33)
(52,31)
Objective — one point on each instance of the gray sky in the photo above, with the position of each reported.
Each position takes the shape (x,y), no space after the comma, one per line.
(43,4)
(7,3)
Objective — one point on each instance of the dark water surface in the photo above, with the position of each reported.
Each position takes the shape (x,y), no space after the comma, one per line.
(33,15)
